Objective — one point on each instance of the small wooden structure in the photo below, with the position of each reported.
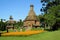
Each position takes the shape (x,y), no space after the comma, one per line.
(31,20)
(10,23)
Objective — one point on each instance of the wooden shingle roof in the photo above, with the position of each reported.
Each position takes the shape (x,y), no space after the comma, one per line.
(31,14)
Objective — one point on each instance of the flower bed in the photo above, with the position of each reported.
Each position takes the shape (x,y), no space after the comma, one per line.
(22,33)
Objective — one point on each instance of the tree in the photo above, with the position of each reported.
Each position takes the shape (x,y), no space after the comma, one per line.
(2,25)
(49,3)
(51,9)
(41,19)
(19,23)
(53,18)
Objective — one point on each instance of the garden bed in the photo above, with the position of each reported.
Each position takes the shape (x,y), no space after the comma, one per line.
(26,33)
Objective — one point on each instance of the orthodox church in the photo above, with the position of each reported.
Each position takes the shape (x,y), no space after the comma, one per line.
(31,20)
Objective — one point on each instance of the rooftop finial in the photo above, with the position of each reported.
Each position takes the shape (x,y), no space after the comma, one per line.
(31,7)
(11,17)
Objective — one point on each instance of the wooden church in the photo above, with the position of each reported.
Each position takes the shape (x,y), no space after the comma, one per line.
(10,23)
(31,20)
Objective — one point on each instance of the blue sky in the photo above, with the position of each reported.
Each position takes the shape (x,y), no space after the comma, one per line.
(18,8)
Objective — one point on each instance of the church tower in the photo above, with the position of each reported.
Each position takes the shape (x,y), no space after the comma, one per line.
(31,20)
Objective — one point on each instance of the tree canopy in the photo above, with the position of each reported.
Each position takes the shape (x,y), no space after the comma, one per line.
(51,9)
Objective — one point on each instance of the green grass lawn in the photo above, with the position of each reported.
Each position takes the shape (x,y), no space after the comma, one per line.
(55,35)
